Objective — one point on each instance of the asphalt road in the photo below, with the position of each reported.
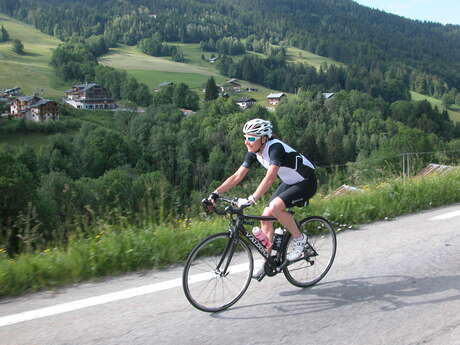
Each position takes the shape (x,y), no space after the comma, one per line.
(393,282)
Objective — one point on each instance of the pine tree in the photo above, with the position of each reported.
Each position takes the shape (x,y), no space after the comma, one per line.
(4,36)
(18,47)
(212,92)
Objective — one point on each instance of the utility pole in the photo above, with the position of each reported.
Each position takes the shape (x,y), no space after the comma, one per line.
(406,164)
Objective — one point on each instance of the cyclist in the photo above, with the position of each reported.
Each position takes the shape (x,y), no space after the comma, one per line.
(297,174)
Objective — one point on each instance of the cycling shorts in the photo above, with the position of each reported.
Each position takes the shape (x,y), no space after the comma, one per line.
(296,194)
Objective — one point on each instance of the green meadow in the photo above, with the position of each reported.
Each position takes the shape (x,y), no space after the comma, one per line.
(154,70)
(454,110)
(30,71)
(302,56)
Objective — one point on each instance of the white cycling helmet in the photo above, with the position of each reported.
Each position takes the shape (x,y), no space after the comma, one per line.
(258,127)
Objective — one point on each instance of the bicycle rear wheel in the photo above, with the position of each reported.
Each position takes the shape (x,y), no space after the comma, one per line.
(206,285)
(319,253)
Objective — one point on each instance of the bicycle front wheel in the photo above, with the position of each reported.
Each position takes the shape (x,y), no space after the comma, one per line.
(319,253)
(217,273)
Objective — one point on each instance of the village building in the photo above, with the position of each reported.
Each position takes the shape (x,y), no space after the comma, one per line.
(89,96)
(328,95)
(165,84)
(186,112)
(230,86)
(34,108)
(13,92)
(275,98)
(245,102)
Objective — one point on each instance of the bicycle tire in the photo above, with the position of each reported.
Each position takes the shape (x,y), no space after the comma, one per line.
(317,262)
(201,279)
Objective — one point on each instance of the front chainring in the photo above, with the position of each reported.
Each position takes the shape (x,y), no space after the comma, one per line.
(269,270)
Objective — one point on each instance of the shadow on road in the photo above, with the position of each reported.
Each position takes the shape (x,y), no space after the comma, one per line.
(387,293)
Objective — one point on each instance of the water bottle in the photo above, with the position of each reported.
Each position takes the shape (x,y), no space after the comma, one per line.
(277,241)
(259,234)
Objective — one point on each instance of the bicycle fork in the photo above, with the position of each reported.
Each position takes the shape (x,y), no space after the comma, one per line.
(226,258)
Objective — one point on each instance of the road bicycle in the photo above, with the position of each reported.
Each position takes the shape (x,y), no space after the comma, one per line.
(219,269)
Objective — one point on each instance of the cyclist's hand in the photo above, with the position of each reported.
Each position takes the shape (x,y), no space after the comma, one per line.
(213,197)
(244,202)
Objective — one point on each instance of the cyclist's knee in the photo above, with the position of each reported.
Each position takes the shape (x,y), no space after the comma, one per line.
(267,212)
(276,206)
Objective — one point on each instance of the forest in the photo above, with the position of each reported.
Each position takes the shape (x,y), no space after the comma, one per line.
(158,164)
(342,30)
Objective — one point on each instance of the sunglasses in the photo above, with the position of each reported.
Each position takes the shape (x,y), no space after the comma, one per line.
(251,139)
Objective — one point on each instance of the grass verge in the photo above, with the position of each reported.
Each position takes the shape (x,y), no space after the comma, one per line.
(115,249)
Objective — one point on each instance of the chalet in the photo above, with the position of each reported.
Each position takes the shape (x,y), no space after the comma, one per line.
(34,108)
(245,102)
(165,84)
(275,98)
(89,96)
(16,91)
(231,85)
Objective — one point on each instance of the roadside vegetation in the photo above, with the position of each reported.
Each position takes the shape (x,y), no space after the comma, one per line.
(109,248)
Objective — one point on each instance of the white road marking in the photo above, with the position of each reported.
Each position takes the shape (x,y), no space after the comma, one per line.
(111,297)
(446,215)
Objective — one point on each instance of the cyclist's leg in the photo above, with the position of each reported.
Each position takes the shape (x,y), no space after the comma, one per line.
(277,208)
(267,227)
(289,196)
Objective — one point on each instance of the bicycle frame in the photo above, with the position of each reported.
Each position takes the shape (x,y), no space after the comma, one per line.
(238,232)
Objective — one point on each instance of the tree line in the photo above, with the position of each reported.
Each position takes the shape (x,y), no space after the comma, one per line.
(158,164)
(226,45)
(276,73)
(155,47)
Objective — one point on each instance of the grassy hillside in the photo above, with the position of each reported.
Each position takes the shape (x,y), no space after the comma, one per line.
(30,71)
(306,57)
(195,72)
(454,111)
(154,70)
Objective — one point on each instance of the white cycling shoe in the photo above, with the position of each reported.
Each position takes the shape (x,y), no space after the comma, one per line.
(297,247)
(258,270)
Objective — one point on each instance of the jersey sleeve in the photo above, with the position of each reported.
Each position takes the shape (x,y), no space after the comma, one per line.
(276,154)
(249,159)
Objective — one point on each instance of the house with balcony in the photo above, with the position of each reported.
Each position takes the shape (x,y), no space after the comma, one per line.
(230,86)
(34,108)
(89,96)
(275,98)
(245,102)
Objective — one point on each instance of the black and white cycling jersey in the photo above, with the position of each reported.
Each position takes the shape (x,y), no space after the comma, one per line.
(294,167)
